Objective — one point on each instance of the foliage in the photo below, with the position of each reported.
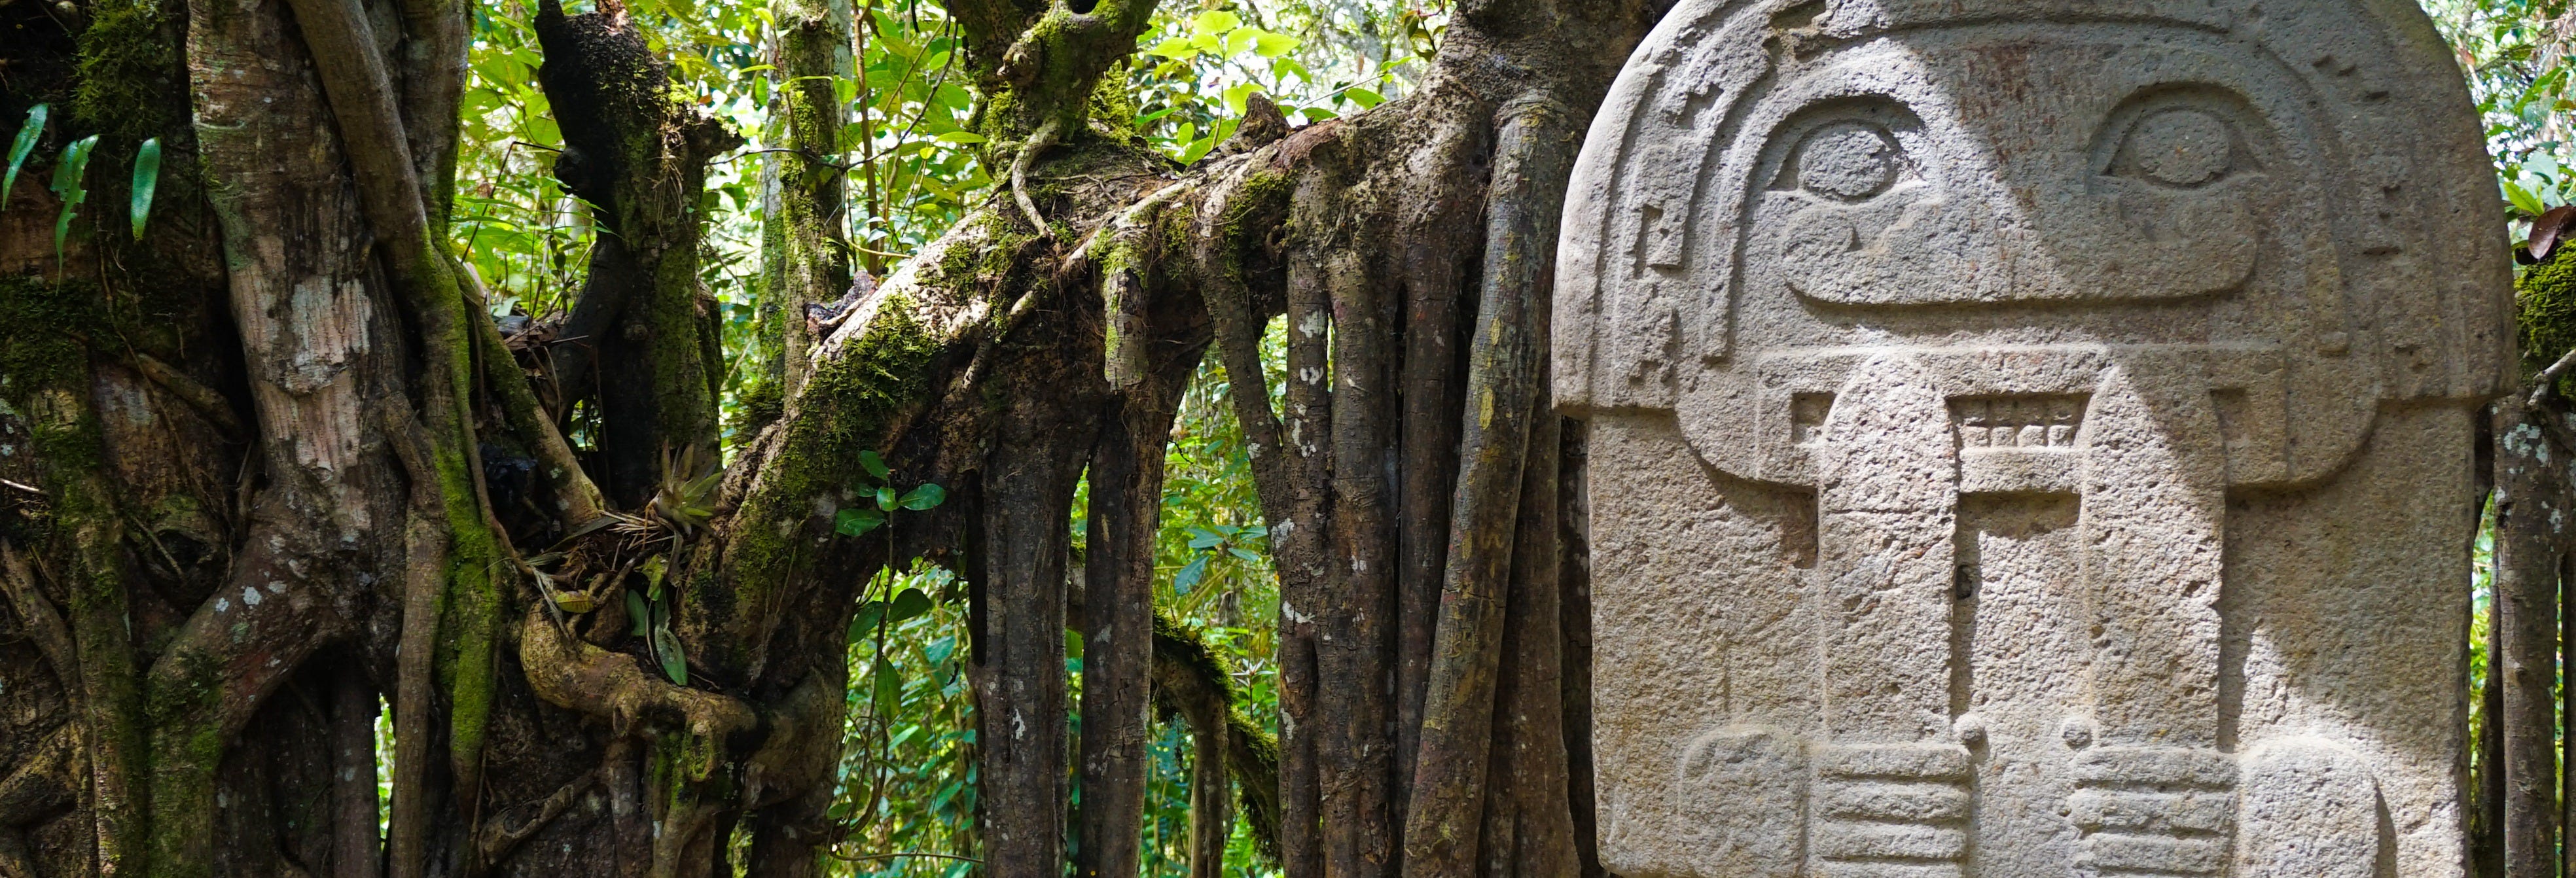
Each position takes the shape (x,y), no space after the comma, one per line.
(1317,60)
(2515,55)
(906,799)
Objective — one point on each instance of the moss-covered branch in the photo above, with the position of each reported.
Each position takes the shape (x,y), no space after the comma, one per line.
(1192,680)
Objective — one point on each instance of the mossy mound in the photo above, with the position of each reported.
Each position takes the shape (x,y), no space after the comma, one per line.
(2545,306)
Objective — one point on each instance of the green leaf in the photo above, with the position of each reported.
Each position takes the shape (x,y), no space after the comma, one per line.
(1270,45)
(1202,538)
(653,569)
(939,650)
(1243,553)
(964,137)
(1178,48)
(1189,576)
(145,181)
(68,185)
(889,688)
(666,646)
(912,602)
(864,622)
(928,496)
(1234,97)
(1215,21)
(25,145)
(1363,97)
(857,522)
(637,612)
(875,464)
(1240,40)
(886,498)
(2523,200)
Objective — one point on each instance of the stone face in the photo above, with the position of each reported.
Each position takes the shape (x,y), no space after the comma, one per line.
(2032,438)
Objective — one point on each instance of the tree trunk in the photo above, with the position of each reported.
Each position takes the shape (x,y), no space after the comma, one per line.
(2531,482)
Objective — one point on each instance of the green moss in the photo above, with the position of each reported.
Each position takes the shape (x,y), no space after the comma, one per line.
(846,404)
(187,747)
(2546,303)
(38,325)
(128,70)
(761,404)
(1113,108)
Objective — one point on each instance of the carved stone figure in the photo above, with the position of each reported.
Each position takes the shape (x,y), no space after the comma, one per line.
(2032,438)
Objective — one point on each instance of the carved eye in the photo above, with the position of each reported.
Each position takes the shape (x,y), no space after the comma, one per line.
(1848,161)
(2183,147)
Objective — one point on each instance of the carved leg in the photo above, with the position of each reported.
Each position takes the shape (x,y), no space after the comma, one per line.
(2153,792)
(1892,795)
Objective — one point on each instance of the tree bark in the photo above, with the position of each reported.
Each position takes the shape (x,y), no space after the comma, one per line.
(1126,483)
(2531,481)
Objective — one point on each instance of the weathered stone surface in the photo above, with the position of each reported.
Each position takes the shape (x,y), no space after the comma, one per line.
(2032,437)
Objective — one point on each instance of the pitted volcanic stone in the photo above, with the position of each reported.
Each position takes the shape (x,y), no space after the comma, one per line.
(2031,438)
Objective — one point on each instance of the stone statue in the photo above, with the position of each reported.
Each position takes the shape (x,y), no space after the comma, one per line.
(2033,438)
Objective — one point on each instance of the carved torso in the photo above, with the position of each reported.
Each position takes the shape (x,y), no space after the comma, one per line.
(2005,415)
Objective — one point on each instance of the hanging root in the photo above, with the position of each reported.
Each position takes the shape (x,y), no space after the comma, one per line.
(1038,142)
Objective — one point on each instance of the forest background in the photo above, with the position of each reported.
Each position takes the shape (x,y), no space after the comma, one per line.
(907,791)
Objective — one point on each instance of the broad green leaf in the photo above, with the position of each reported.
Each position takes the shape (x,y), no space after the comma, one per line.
(1202,538)
(24,146)
(1240,41)
(1215,21)
(1198,149)
(912,602)
(886,498)
(857,522)
(1363,97)
(1270,45)
(874,463)
(939,650)
(1243,553)
(666,646)
(1176,48)
(1189,576)
(638,613)
(927,496)
(967,137)
(889,688)
(147,177)
(2523,200)
(864,623)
